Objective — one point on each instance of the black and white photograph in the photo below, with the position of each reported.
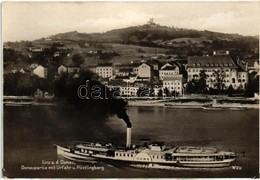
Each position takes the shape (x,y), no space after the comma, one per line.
(140,89)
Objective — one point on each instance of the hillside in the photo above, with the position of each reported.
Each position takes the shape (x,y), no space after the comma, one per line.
(163,36)
(135,43)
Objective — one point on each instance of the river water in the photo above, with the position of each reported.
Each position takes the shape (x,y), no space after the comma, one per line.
(30,132)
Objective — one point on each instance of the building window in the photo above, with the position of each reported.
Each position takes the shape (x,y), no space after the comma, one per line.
(233,80)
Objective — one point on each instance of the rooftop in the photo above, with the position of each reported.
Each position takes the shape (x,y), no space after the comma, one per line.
(104,65)
(167,68)
(211,61)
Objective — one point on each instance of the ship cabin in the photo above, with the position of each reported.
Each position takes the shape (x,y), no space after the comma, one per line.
(197,154)
(93,148)
(157,146)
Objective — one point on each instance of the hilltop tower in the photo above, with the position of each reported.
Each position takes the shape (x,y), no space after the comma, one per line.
(151,22)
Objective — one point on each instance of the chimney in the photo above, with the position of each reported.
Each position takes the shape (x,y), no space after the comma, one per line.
(128,136)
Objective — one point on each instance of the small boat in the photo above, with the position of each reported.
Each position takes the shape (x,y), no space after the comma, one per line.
(150,154)
(17,103)
(211,107)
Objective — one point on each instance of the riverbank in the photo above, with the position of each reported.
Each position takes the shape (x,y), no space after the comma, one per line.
(206,103)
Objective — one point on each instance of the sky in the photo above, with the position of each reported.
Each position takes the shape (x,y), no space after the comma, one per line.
(34,20)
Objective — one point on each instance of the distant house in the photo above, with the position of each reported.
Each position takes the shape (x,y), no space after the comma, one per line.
(14,71)
(36,49)
(168,71)
(38,94)
(70,68)
(62,69)
(41,72)
(173,83)
(22,71)
(34,65)
(145,71)
(56,54)
(105,70)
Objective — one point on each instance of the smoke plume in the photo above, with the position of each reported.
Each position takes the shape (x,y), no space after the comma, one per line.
(66,95)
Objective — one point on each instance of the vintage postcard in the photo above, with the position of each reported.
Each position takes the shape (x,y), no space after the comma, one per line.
(130,89)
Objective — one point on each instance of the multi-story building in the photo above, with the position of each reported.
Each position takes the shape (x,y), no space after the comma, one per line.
(221,67)
(105,70)
(128,91)
(168,71)
(145,71)
(173,83)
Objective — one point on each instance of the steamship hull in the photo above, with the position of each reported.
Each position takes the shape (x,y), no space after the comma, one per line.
(148,158)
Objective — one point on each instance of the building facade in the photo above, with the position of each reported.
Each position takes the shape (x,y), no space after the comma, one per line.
(128,91)
(145,71)
(174,83)
(105,71)
(218,68)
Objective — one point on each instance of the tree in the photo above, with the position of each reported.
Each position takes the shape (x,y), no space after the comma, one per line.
(166,92)
(219,79)
(253,85)
(230,90)
(202,83)
(77,59)
(160,93)
(151,94)
(20,84)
